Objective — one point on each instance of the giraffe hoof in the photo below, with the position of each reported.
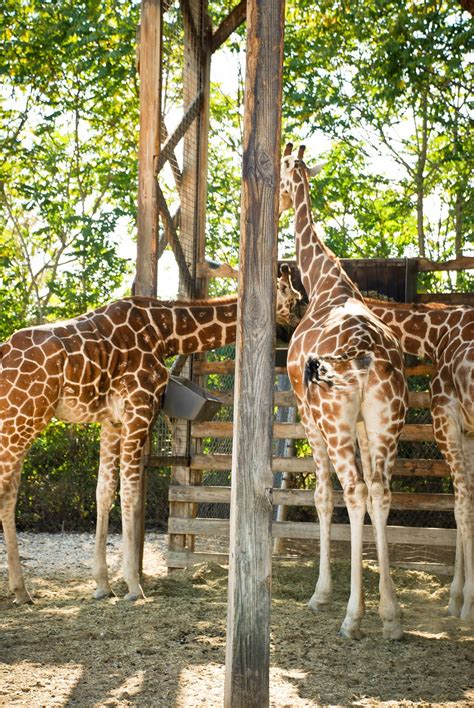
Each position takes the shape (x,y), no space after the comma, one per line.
(454,607)
(102,594)
(317,606)
(134,596)
(394,632)
(467,612)
(351,633)
(23,598)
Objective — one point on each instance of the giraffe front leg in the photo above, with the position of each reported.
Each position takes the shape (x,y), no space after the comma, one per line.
(133,442)
(131,509)
(10,478)
(105,494)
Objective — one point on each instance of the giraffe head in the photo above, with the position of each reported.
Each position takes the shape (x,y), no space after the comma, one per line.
(289,177)
(287,299)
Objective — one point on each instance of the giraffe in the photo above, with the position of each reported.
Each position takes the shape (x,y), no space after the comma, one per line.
(106,366)
(445,334)
(346,369)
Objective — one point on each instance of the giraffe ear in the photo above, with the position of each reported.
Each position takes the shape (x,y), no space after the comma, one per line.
(288,149)
(285,272)
(313,171)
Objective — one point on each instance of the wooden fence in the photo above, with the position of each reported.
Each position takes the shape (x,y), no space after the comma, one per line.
(187,495)
(185,498)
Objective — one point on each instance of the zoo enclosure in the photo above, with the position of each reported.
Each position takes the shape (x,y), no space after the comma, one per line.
(421,518)
(174,144)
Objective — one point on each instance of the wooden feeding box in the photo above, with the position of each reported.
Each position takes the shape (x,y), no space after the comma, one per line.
(184,399)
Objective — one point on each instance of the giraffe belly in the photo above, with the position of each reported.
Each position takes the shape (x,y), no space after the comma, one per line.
(71,410)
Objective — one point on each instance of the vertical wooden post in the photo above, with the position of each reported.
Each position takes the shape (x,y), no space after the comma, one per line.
(248,619)
(149,146)
(196,81)
(148,150)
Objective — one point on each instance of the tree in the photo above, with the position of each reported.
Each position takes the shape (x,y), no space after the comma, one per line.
(392,82)
(68,165)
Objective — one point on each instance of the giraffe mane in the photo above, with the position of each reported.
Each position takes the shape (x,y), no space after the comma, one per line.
(416,306)
(143,300)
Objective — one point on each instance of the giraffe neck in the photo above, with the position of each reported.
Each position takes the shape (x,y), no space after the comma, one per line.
(322,275)
(188,327)
(420,328)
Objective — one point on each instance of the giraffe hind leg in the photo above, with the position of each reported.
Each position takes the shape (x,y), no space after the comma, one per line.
(467,610)
(458,449)
(377,464)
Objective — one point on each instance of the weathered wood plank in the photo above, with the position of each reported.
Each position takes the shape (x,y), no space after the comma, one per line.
(304,465)
(225,367)
(223,429)
(149,146)
(186,558)
(412,536)
(447,298)
(182,559)
(416,399)
(460,263)
(228,367)
(250,562)
(304,497)
(228,25)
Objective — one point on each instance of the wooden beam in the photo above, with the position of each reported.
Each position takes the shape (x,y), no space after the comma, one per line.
(419,432)
(228,367)
(412,536)
(249,595)
(149,63)
(460,263)
(172,159)
(149,146)
(403,467)
(228,25)
(447,298)
(174,240)
(416,399)
(401,501)
(167,151)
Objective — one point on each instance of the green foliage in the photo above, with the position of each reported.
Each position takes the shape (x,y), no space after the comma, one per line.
(390,83)
(69,132)
(59,481)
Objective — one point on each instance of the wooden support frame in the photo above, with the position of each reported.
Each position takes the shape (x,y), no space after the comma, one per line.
(189,247)
(150,51)
(249,595)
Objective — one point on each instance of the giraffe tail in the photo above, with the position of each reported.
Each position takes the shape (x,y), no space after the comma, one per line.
(3,349)
(337,373)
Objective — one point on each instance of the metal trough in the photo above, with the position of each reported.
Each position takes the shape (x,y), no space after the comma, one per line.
(184,399)
(281,356)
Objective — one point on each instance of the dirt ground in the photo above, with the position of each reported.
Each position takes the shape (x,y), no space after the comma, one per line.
(169,650)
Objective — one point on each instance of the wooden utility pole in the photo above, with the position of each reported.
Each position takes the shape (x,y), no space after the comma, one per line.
(149,146)
(249,600)
(149,62)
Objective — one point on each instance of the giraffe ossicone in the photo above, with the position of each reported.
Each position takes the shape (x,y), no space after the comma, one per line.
(346,369)
(106,366)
